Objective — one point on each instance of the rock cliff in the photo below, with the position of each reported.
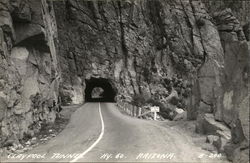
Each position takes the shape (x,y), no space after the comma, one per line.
(191,54)
(29,73)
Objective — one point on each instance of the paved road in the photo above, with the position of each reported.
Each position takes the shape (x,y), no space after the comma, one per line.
(99,132)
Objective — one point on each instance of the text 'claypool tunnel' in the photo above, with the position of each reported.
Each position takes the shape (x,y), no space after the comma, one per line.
(107,92)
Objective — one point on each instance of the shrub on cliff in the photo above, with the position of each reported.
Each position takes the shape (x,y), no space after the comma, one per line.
(138,100)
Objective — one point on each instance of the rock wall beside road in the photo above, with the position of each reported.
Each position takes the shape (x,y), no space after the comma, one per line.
(29,75)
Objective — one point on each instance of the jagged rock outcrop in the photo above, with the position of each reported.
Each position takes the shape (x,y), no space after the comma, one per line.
(29,75)
(232,102)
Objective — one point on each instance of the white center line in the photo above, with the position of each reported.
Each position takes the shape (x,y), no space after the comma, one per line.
(96,142)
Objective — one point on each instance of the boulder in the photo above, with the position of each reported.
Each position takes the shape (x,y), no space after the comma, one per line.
(219,134)
(206,124)
(218,141)
(180,114)
(212,138)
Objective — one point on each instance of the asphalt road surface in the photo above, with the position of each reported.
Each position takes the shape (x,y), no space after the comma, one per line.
(98,132)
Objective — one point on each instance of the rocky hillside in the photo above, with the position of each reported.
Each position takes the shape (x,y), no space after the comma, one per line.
(192,55)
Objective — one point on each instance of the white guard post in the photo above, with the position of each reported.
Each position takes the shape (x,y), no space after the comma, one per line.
(154,109)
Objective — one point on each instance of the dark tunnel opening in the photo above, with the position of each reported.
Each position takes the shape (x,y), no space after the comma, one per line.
(108,94)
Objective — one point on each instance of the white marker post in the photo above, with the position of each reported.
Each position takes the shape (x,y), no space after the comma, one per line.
(154,109)
(139,111)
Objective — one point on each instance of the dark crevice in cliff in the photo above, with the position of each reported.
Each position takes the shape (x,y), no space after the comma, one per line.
(122,34)
(189,24)
(155,17)
(205,54)
(102,11)
(94,11)
(131,82)
(246,30)
(69,6)
(85,23)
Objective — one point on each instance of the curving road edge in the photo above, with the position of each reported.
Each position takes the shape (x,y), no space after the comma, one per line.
(96,142)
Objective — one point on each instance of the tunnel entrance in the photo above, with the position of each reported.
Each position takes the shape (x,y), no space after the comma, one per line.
(99,90)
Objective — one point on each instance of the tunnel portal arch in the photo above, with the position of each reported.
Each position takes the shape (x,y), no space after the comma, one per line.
(109,90)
